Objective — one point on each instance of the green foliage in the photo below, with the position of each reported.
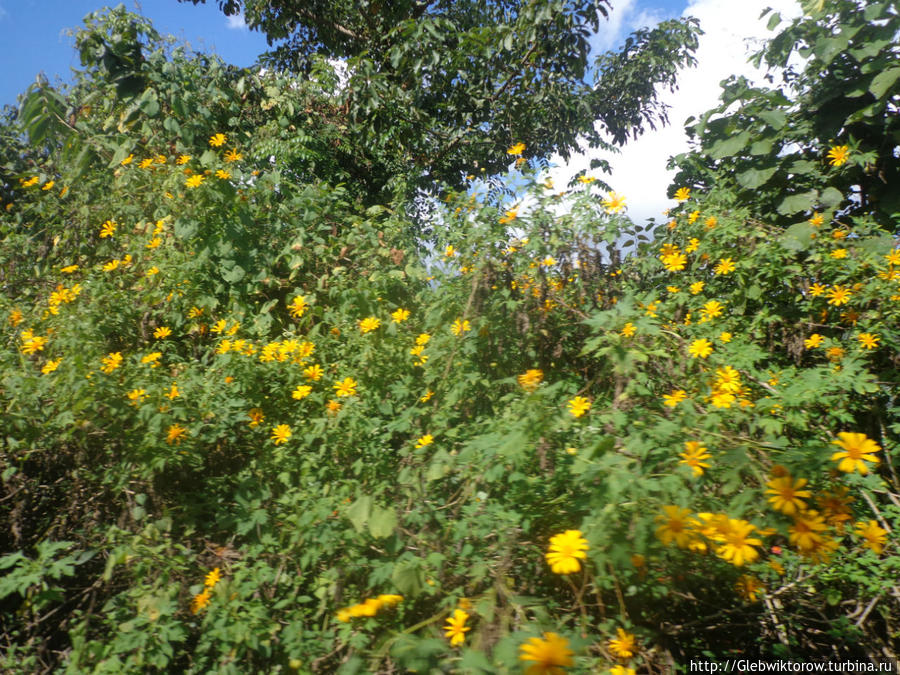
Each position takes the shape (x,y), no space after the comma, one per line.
(435,89)
(769,146)
(254,422)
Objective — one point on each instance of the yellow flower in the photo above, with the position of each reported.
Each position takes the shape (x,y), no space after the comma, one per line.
(674,262)
(301,392)
(549,654)
(233,155)
(369,324)
(34,180)
(108,229)
(162,332)
(813,341)
(173,392)
(675,526)
(152,357)
(694,456)
(423,339)
(712,309)
(724,266)
(696,287)
(676,397)
(221,173)
(868,340)
(280,433)
(615,203)
(111,361)
(48,185)
(682,194)
(333,407)
(672,289)
(787,495)
(175,433)
(127,160)
(805,532)
(427,439)
(749,588)
(621,670)
(347,387)
(622,646)
(256,416)
(200,600)
(628,329)
(578,406)
(456,628)
(195,181)
(183,159)
(838,155)
(692,217)
(217,140)
(711,222)
(725,336)
(873,535)
(212,578)
(400,315)
(313,372)
(31,344)
(50,366)
(700,348)
(857,450)
(68,269)
(737,544)
(839,295)
(510,216)
(460,326)
(565,551)
(816,220)
(298,306)
(427,396)
(153,270)
(530,379)
(587,180)
(516,149)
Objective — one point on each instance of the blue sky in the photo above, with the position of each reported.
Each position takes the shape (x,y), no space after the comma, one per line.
(32,33)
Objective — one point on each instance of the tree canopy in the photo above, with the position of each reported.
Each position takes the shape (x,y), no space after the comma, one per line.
(436,88)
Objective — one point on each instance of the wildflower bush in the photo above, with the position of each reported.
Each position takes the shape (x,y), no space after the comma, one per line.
(256,421)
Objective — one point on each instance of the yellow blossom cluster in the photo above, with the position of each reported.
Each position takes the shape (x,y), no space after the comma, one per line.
(369,607)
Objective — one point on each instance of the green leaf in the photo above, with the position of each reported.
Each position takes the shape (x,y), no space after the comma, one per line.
(831,197)
(359,511)
(382,522)
(729,146)
(796,203)
(407,577)
(753,178)
(797,237)
(774,118)
(884,81)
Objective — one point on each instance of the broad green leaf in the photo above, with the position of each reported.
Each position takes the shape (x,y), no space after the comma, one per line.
(884,81)
(753,178)
(358,512)
(382,522)
(796,203)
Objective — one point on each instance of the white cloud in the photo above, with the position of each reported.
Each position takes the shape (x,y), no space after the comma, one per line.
(733,30)
(236,22)
(3,12)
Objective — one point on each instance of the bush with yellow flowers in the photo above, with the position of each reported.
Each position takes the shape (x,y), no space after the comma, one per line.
(538,438)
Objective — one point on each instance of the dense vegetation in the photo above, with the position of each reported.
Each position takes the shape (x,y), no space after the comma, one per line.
(263,413)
